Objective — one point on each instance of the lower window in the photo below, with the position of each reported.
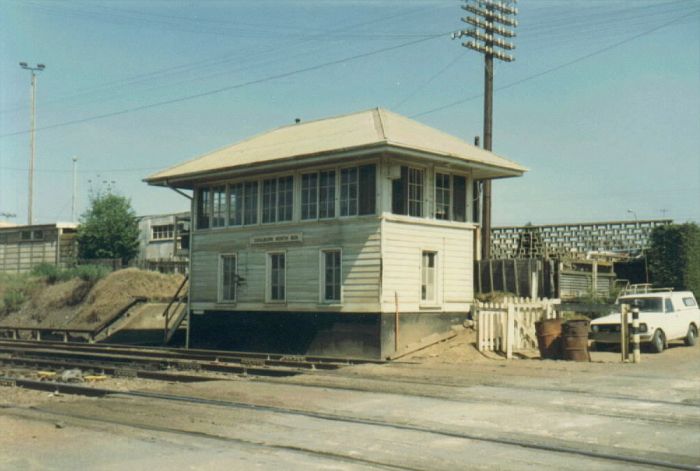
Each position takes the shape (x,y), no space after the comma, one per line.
(228,278)
(331,272)
(428,277)
(276,277)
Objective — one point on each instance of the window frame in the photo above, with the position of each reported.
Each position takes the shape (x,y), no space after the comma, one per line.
(268,277)
(157,232)
(220,283)
(435,301)
(322,275)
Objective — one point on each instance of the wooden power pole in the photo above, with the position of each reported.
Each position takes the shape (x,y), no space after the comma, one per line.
(487,18)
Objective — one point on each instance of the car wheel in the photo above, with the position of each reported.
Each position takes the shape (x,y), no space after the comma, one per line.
(658,341)
(691,338)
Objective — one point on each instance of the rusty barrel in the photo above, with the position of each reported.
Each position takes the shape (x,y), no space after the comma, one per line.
(575,341)
(549,338)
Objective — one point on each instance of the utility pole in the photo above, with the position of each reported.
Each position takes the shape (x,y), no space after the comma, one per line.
(75,188)
(487,18)
(33,70)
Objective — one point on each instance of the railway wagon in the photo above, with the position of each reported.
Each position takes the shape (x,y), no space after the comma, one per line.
(353,235)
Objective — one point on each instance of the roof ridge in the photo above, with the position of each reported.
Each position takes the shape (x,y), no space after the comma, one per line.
(378,111)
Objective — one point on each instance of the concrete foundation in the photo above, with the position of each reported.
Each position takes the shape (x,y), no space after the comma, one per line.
(332,334)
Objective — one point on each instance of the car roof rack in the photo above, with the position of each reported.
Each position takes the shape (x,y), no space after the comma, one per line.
(643,288)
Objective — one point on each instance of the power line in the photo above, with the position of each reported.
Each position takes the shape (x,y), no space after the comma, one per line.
(229,87)
(558,67)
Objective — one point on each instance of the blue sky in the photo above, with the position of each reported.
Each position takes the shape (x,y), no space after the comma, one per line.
(602,102)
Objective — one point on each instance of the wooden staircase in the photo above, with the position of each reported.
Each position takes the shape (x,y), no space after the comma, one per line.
(176,313)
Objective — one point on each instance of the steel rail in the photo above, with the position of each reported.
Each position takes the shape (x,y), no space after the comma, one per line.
(140,367)
(73,389)
(220,438)
(316,362)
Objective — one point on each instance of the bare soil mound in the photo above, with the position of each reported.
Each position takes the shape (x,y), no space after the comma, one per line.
(78,304)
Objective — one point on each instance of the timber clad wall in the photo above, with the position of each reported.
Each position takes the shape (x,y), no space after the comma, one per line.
(404,242)
(358,238)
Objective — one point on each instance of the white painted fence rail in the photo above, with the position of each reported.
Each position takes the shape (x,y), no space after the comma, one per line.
(509,325)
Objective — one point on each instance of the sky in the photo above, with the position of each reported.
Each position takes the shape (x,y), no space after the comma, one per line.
(602,103)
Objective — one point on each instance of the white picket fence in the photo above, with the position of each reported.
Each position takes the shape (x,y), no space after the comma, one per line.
(509,326)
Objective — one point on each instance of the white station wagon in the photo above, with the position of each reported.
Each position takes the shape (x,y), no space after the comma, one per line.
(663,316)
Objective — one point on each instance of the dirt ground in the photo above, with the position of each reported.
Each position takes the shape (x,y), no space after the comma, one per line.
(77,304)
(444,408)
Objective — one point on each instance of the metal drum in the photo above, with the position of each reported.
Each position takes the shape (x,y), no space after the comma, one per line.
(575,341)
(549,338)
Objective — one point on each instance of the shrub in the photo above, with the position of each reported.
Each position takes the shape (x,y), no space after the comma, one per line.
(13,300)
(51,273)
(90,273)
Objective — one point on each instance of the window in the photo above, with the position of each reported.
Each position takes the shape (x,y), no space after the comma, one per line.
(228,278)
(415,192)
(276,277)
(25,235)
(203,208)
(219,206)
(442,196)
(331,275)
(163,232)
(459,198)
(285,192)
(689,302)
(309,196)
(326,194)
(250,203)
(368,189)
(669,305)
(427,286)
(277,199)
(407,192)
(348,191)
(235,204)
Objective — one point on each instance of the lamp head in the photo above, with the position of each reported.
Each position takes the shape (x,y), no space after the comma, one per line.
(23,65)
(40,66)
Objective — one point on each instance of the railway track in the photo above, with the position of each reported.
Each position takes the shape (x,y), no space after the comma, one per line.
(159,363)
(496,439)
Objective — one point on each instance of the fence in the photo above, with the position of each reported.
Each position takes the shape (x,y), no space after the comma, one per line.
(509,326)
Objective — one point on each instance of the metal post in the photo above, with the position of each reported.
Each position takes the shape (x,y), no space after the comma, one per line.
(30,211)
(33,70)
(624,338)
(75,189)
(635,335)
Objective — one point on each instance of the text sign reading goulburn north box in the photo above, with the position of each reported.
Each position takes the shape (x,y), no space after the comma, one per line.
(277,239)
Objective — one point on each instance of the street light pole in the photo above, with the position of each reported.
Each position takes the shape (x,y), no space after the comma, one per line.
(75,188)
(33,70)
(487,18)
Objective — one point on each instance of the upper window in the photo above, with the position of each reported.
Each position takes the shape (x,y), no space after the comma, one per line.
(277,199)
(326,194)
(163,232)
(203,208)
(219,206)
(690,302)
(228,278)
(348,191)
(407,192)
(443,196)
(331,275)
(309,196)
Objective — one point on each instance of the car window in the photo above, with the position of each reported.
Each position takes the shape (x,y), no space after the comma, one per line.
(669,305)
(645,304)
(690,302)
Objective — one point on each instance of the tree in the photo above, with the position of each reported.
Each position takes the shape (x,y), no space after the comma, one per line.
(674,256)
(108,229)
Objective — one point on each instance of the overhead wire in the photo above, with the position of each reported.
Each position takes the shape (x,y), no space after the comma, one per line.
(557,67)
